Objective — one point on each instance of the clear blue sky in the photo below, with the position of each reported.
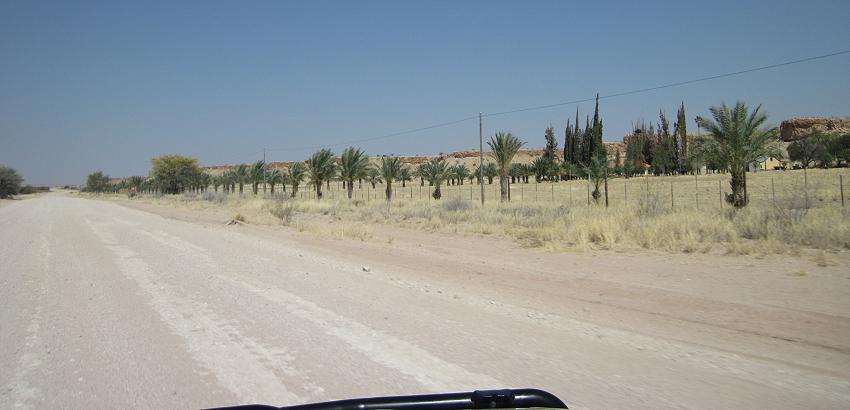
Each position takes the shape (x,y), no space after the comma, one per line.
(107,85)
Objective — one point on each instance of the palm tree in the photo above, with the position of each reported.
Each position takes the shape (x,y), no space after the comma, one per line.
(241,176)
(204,181)
(597,171)
(419,172)
(256,174)
(490,171)
(226,180)
(515,172)
(390,171)
(353,164)
(216,182)
(321,167)
(461,172)
(404,175)
(373,176)
(274,177)
(504,147)
(737,139)
(541,167)
(435,172)
(295,174)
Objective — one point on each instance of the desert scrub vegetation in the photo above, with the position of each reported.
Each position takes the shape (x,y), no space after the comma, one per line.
(754,229)
(783,223)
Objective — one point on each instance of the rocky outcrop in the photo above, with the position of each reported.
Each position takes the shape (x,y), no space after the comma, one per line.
(797,128)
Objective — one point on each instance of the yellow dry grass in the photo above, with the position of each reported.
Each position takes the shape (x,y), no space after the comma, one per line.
(782,216)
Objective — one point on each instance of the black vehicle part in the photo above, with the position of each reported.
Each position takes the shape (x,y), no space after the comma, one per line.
(479,399)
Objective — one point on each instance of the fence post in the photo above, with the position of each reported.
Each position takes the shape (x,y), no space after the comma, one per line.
(588,191)
(672,204)
(521,192)
(773,191)
(553,192)
(696,191)
(720,192)
(536,183)
(625,193)
(606,187)
(841,185)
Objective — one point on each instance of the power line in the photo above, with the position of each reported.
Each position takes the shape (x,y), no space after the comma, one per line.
(559,104)
(676,84)
(395,134)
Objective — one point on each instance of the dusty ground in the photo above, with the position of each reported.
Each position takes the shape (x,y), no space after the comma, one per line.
(110,306)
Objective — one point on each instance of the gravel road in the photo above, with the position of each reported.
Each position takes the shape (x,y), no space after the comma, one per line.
(106,306)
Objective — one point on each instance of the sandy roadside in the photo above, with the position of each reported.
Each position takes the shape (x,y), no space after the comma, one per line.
(778,308)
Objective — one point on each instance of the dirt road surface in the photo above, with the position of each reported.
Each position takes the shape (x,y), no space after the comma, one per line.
(105,305)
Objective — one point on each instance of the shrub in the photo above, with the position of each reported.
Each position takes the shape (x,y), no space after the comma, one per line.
(214,197)
(455,205)
(10,182)
(97,182)
(284,213)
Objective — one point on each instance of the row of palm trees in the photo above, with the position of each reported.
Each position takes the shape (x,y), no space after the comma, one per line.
(736,138)
(352,166)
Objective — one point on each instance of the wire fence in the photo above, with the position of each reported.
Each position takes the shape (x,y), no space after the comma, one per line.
(812,188)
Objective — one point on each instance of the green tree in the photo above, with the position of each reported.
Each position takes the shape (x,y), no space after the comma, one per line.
(541,168)
(321,167)
(256,175)
(681,133)
(839,148)
(460,172)
(10,182)
(664,152)
(586,144)
(390,171)
(807,150)
(228,180)
(97,182)
(241,176)
(405,175)
(737,139)
(135,182)
(435,172)
(575,144)
(174,173)
(598,147)
(597,171)
(353,164)
(217,181)
(569,141)
(295,174)
(551,148)
(274,177)
(504,147)
(490,171)
(373,175)
(515,172)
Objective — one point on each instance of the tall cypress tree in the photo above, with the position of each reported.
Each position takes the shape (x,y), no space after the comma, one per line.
(568,143)
(576,141)
(598,145)
(551,144)
(587,148)
(681,132)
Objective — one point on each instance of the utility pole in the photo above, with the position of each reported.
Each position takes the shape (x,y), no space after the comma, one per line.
(264,171)
(481,155)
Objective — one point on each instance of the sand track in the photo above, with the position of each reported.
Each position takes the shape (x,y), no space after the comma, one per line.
(110,306)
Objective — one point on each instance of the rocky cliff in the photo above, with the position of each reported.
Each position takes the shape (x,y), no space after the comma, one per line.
(796,128)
